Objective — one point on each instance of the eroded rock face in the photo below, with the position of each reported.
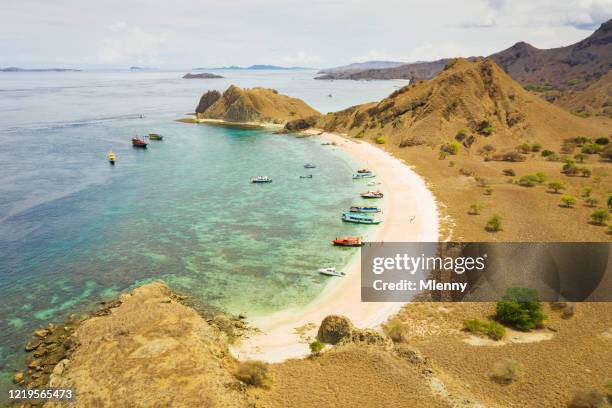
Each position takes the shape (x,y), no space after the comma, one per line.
(207,100)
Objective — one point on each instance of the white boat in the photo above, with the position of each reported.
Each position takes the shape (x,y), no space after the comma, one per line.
(331,271)
(261,179)
(373,183)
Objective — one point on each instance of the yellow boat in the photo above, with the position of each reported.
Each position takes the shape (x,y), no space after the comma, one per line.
(111,157)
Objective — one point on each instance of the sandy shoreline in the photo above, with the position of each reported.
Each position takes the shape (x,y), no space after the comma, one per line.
(406,196)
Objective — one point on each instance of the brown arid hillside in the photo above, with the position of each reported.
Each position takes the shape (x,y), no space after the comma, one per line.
(476,97)
(416,71)
(472,132)
(570,67)
(253,105)
(596,99)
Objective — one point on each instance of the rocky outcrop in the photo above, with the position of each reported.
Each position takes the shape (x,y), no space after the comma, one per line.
(149,350)
(255,105)
(336,329)
(207,100)
(297,125)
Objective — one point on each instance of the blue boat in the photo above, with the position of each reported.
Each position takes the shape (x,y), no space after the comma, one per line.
(364,209)
(358,218)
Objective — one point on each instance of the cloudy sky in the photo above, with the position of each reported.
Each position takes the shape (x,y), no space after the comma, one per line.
(317,33)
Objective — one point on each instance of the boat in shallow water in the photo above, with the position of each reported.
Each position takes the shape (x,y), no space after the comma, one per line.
(374,183)
(358,218)
(155,136)
(372,194)
(111,157)
(363,175)
(348,241)
(261,179)
(364,170)
(308,176)
(139,142)
(364,209)
(331,271)
(310,166)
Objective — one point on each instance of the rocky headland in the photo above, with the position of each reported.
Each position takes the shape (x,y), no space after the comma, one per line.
(203,75)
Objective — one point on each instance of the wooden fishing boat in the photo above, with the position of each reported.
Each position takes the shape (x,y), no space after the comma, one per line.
(358,218)
(364,170)
(139,142)
(364,209)
(372,194)
(155,136)
(261,179)
(347,241)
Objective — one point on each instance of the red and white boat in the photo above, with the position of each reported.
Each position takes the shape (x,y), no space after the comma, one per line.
(372,194)
(139,142)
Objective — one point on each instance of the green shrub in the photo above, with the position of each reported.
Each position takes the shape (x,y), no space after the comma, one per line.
(546,153)
(531,180)
(506,371)
(491,329)
(509,172)
(569,167)
(580,157)
(586,191)
(380,140)
(395,330)
(520,308)
(536,147)
(568,200)
(600,216)
(523,148)
(487,131)
(591,148)
(475,209)
(316,347)
(556,186)
(494,224)
(591,202)
(254,373)
(602,141)
(451,148)
(488,191)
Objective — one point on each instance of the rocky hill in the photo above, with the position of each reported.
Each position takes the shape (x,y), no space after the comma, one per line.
(573,66)
(252,105)
(475,102)
(413,71)
(596,99)
(204,75)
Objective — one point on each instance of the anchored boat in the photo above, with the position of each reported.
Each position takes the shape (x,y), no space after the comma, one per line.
(364,209)
(155,136)
(364,170)
(372,194)
(310,166)
(358,218)
(363,175)
(261,179)
(308,176)
(139,142)
(331,271)
(111,157)
(373,183)
(347,241)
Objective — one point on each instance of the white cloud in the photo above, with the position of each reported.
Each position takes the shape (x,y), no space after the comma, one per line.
(301,58)
(131,45)
(590,15)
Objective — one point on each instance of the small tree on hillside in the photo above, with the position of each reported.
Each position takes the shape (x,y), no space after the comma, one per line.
(591,202)
(494,224)
(586,191)
(556,186)
(600,216)
(520,308)
(568,200)
(475,209)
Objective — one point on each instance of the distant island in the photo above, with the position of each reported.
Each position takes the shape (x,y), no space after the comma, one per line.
(203,75)
(252,67)
(17,69)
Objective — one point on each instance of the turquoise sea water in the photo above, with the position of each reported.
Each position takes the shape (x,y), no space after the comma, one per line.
(75,230)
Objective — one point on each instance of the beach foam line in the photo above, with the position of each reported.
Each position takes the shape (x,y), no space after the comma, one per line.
(411,215)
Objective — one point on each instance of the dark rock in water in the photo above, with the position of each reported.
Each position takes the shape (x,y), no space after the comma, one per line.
(207,100)
(334,329)
(203,75)
(301,124)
